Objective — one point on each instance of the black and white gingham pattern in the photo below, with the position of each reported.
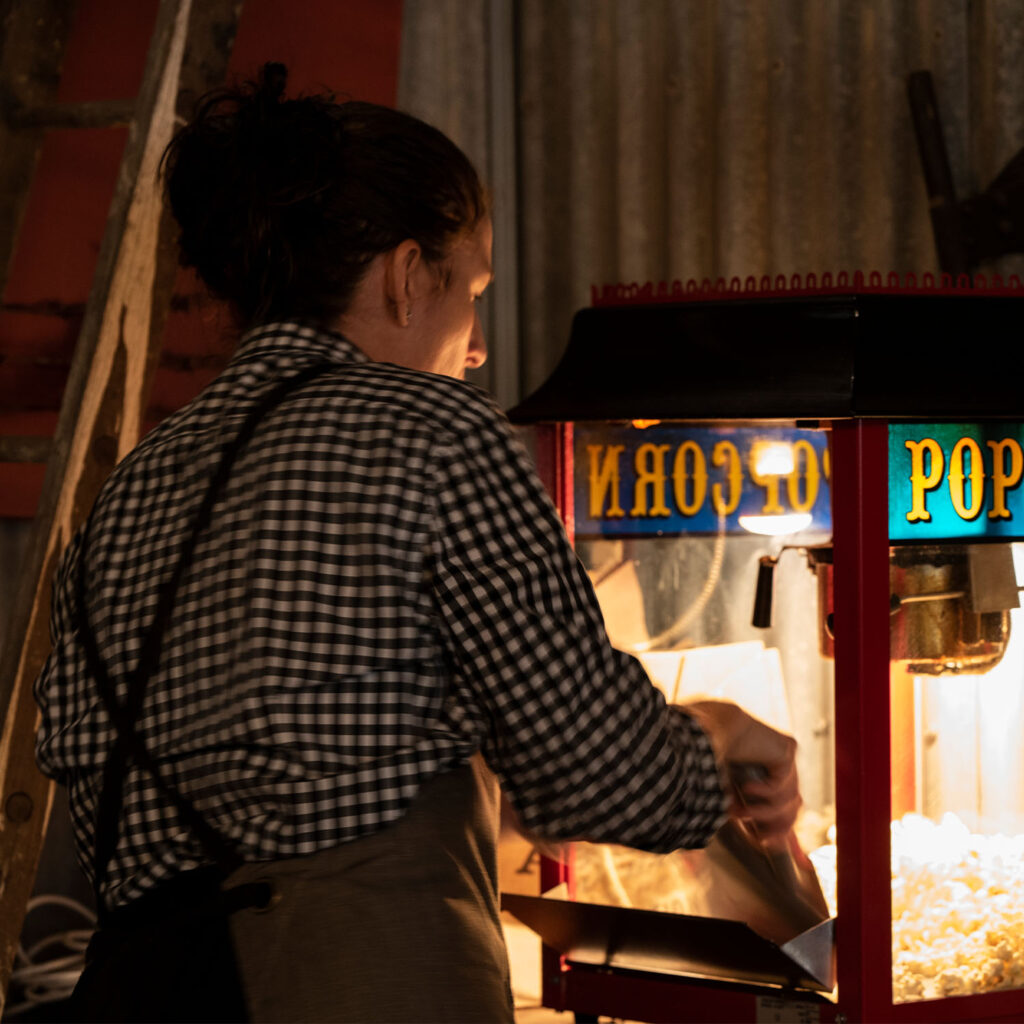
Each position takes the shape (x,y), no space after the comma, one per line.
(385,589)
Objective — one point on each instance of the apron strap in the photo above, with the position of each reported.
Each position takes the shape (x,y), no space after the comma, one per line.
(128,746)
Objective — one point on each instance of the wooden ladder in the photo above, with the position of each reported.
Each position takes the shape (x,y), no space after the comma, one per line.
(114,360)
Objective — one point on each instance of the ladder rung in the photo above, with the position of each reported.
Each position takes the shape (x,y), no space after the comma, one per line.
(88,114)
(25,449)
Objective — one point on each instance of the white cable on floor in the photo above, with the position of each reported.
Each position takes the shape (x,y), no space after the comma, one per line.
(53,979)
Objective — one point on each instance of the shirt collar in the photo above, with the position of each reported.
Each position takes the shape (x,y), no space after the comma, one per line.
(296,338)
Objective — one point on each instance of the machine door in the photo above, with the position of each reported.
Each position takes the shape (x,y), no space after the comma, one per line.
(956,519)
(709,549)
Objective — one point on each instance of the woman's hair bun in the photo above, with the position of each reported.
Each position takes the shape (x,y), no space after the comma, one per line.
(283,202)
(272,81)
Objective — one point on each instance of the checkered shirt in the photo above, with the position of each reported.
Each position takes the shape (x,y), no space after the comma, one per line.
(384,590)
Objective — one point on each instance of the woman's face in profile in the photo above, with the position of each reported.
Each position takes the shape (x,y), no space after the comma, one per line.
(449,338)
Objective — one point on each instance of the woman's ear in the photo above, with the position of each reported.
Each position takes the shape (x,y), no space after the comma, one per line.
(400,279)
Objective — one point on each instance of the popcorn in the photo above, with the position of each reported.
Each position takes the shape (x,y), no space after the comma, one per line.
(957,908)
(952,983)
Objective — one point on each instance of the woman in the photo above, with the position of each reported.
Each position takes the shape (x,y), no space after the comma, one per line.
(375,594)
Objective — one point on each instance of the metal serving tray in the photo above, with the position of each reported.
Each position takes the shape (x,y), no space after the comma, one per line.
(703,947)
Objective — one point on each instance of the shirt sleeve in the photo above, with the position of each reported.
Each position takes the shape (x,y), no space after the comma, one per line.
(55,689)
(583,742)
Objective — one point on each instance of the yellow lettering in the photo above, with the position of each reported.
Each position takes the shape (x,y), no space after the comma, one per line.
(726,452)
(957,490)
(680,478)
(920,482)
(1003,480)
(604,480)
(650,472)
(810,474)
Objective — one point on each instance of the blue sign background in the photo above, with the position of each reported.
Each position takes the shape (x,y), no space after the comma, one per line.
(944,522)
(753,495)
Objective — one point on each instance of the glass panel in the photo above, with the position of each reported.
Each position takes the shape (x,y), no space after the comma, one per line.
(957,697)
(665,517)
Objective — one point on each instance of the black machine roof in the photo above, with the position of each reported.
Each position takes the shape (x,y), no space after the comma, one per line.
(899,356)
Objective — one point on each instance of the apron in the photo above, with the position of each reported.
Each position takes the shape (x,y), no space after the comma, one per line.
(402,925)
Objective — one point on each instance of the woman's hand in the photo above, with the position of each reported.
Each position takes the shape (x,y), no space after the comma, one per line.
(758,764)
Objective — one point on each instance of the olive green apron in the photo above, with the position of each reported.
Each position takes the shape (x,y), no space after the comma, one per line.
(402,925)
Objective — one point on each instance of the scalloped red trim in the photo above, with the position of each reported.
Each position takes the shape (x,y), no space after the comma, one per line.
(843,283)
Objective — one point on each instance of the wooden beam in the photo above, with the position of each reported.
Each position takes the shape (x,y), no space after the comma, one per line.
(99,422)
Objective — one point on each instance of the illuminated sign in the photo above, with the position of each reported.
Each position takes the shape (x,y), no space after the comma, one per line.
(954,480)
(673,478)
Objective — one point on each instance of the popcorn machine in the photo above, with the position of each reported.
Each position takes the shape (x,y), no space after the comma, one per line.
(809,503)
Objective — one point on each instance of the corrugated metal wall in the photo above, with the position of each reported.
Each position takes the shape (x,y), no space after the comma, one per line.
(458,72)
(664,139)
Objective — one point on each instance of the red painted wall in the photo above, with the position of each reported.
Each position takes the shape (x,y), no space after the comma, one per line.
(349,46)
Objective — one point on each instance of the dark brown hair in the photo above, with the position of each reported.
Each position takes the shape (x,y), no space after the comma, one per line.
(282,203)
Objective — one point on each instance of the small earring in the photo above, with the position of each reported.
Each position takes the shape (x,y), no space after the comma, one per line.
(408,314)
